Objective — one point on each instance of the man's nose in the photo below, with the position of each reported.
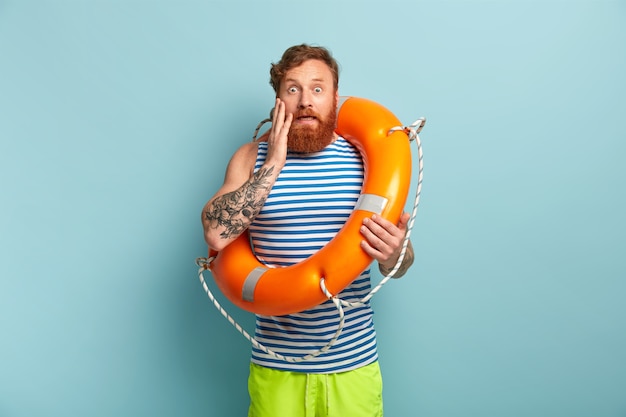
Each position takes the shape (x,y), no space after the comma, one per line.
(305,100)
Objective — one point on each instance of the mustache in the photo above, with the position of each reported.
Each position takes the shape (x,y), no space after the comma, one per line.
(306,113)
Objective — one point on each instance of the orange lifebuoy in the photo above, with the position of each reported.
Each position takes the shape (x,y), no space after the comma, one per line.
(254,287)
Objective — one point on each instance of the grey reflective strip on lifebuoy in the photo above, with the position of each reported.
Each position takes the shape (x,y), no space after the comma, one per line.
(371,202)
(247,292)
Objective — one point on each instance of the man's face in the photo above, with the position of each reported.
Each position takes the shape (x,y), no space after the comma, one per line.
(309,94)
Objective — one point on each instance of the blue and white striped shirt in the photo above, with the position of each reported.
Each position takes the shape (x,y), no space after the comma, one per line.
(311,200)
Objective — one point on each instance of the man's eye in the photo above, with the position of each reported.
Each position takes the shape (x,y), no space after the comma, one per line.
(292,89)
(318,89)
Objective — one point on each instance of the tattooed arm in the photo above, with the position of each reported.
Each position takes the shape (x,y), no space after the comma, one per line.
(228,215)
(236,204)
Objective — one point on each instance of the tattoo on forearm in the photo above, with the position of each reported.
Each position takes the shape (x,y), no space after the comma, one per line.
(235,210)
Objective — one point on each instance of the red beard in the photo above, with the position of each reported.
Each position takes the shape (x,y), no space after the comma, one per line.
(307,139)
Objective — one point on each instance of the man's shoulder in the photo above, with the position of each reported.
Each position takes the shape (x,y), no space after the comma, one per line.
(245,156)
(248,150)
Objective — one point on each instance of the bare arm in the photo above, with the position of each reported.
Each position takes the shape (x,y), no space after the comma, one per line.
(236,204)
(229,214)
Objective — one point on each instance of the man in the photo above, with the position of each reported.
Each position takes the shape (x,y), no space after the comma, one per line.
(293,192)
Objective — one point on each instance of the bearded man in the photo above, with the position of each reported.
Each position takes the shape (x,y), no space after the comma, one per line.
(293,192)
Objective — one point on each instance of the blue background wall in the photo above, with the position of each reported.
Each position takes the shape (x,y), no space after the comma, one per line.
(117,119)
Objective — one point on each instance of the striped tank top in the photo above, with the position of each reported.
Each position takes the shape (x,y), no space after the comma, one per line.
(311,200)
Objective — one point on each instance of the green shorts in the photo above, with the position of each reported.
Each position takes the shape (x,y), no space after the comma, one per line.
(275,393)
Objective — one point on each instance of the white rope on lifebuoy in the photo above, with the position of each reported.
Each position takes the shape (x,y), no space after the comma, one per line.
(203,263)
(412,131)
